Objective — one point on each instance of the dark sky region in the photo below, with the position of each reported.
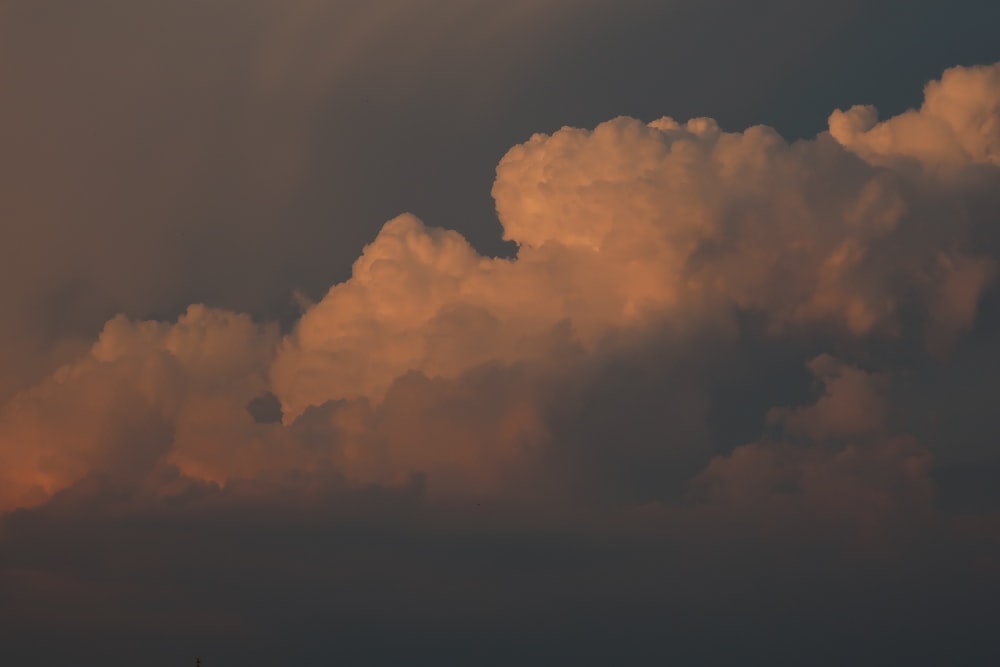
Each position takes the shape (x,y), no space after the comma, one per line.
(455,332)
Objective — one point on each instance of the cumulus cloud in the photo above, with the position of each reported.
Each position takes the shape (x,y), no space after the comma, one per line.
(158,155)
(633,222)
(839,471)
(432,358)
(125,407)
(958,124)
(853,403)
(546,418)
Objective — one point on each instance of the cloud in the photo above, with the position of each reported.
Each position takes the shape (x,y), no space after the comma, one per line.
(853,403)
(839,471)
(627,234)
(686,416)
(631,222)
(157,156)
(124,407)
(956,126)
(548,419)
(860,493)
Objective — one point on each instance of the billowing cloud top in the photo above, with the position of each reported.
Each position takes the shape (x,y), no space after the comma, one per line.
(632,222)
(620,230)
(956,126)
(580,376)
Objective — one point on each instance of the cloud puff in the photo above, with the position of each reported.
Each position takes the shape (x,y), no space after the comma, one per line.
(123,408)
(958,124)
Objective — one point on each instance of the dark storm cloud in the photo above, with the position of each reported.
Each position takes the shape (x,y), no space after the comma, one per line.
(381,576)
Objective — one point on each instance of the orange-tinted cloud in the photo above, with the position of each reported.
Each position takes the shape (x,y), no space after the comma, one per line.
(846,473)
(624,232)
(634,221)
(958,124)
(853,403)
(157,155)
(118,410)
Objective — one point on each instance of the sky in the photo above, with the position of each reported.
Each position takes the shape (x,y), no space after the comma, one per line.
(461,332)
